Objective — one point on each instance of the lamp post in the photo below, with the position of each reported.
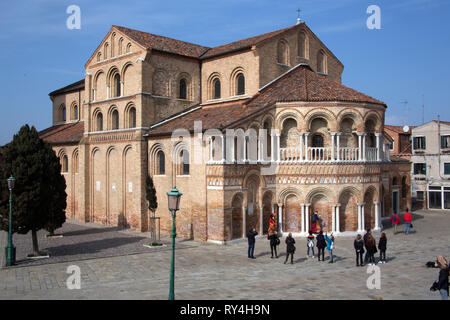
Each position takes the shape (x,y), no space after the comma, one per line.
(174,205)
(10,250)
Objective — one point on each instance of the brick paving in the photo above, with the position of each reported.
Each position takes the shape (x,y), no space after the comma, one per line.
(127,270)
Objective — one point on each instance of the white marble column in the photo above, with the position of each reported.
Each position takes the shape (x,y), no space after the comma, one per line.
(307,216)
(363,225)
(333,218)
(378,137)
(272,147)
(306,145)
(280,218)
(338,142)
(332,145)
(244,223)
(261,231)
(301,145)
(303,218)
(244,158)
(364,147)
(94,94)
(224,150)
(121,88)
(278,148)
(377,215)
(359,145)
(338,220)
(211,147)
(107,91)
(359,217)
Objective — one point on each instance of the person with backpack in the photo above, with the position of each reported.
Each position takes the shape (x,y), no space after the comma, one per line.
(395,219)
(274,242)
(290,248)
(371,247)
(382,243)
(407,217)
(359,249)
(330,245)
(321,244)
(310,244)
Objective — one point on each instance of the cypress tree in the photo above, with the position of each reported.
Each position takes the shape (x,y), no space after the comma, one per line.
(150,194)
(39,194)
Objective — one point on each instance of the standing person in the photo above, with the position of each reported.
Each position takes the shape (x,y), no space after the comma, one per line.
(443,277)
(321,244)
(371,247)
(315,222)
(407,217)
(368,233)
(251,243)
(310,244)
(395,219)
(330,245)
(290,248)
(274,241)
(382,244)
(359,249)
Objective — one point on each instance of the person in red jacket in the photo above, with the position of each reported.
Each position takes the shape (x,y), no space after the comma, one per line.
(407,217)
(395,219)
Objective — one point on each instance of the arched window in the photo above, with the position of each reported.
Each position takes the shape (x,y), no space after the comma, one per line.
(105,51)
(132,117)
(75,112)
(161,160)
(99,122)
(183,89)
(65,164)
(321,62)
(317,141)
(301,45)
(185,162)
(99,56)
(240,84)
(63,113)
(394,181)
(282,52)
(115,120)
(216,84)
(117,85)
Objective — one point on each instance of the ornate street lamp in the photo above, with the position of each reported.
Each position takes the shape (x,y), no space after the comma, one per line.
(174,205)
(10,250)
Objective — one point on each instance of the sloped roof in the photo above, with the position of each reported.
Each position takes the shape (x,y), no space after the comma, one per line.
(79,85)
(63,133)
(398,129)
(298,84)
(156,42)
(302,84)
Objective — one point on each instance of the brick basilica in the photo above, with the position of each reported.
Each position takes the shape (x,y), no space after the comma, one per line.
(323,148)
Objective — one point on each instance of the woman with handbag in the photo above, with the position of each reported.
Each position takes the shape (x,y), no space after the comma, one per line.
(274,241)
(290,248)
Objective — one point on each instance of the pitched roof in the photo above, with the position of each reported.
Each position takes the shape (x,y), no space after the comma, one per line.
(161,43)
(243,44)
(398,129)
(79,85)
(302,84)
(63,133)
(298,84)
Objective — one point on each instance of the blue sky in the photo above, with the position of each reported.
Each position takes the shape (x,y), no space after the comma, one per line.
(408,57)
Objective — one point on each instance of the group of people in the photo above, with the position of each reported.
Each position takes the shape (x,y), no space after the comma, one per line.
(407,218)
(368,243)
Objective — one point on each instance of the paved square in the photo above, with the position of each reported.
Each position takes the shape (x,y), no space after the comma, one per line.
(115,265)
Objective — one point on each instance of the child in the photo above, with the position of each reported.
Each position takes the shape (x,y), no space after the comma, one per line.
(382,247)
(310,244)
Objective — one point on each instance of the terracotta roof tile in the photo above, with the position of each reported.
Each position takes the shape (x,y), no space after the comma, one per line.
(63,133)
(302,84)
(153,41)
(79,85)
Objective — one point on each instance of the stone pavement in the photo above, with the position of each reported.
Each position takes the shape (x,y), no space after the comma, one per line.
(208,271)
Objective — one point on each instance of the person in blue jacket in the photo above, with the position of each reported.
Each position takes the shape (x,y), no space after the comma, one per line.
(330,245)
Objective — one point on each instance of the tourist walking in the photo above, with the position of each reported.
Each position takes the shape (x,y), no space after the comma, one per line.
(310,244)
(359,249)
(382,244)
(251,243)
(290,248)
(330,245)
(407,217)
(321,244)
(371,248)
(395,219)
(274,242)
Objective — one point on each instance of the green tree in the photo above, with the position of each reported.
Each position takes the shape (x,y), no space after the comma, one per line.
(39,193)
(150,194)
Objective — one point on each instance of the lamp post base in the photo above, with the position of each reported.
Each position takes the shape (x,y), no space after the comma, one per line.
(10,253)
